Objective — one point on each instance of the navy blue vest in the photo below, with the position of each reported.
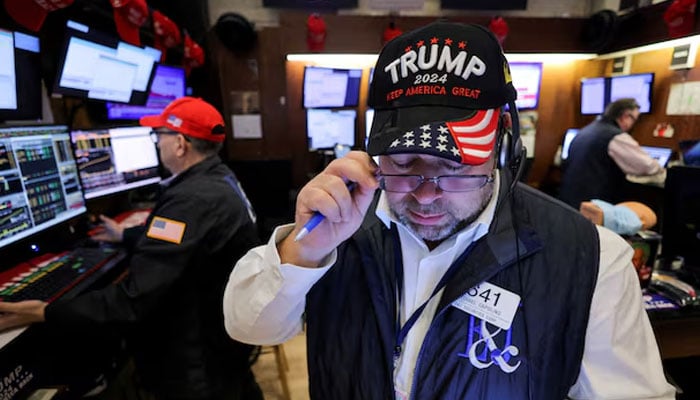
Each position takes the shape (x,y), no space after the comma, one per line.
(536,247)
(589,172)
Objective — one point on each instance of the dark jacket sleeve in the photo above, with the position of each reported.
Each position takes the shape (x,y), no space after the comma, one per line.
(155,266)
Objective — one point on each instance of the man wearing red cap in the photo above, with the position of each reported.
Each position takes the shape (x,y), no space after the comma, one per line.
(170,302)
(454,281)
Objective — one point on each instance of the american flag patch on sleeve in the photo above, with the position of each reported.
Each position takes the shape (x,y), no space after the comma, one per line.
(166,229)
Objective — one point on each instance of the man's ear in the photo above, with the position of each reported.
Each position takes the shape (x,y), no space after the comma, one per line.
(182,146)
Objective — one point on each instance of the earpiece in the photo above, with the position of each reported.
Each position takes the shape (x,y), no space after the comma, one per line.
(510,147)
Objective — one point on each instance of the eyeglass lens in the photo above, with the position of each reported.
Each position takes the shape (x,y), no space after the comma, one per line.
(447,183)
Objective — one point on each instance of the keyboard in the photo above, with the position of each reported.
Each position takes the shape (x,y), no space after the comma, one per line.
(48,279)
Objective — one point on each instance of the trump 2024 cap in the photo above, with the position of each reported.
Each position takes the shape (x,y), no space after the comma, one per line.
(439,90)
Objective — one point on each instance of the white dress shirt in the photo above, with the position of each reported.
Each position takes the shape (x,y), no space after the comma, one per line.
(620,360)
(631,158)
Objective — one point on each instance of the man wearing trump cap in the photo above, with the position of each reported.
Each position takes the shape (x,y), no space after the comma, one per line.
(453,281)
(169,304)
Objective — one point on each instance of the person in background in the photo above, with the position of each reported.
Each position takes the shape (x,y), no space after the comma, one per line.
(454,281)
(169,303)
(602,154)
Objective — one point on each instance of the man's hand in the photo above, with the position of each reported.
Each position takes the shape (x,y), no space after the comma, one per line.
(112,231)
(343,210)
(21,313)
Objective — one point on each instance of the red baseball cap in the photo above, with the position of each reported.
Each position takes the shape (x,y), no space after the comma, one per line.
(190,116)
(32,13)
(129,16)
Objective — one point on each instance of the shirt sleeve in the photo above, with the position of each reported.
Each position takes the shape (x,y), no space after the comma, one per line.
(631,158)
(621,359)
(274,293)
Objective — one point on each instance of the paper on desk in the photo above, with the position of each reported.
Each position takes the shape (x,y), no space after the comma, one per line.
(7,336)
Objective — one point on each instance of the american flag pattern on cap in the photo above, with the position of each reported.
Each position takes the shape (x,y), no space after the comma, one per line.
(469,141)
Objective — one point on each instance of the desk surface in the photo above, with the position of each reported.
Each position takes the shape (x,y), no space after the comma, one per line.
(677,332)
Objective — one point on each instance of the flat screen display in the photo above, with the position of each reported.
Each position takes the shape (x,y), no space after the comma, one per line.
(20,76)
(326,128)
(566,144)
(115,160)
(167,85)
(595,93)
(690,152)
(636,86)
(660,154)
(331,87)
(527,79)
(680,227)
(39,185)
(100,67)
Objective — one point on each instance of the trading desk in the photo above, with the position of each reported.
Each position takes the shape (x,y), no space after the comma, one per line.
(37,356)
(677,331)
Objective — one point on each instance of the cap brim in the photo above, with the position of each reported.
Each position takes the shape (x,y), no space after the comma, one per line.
(386,123)
(26,13)
(127,31)
(154,121)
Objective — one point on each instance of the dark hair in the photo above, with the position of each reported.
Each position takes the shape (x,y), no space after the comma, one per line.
(618,107)
(205,147)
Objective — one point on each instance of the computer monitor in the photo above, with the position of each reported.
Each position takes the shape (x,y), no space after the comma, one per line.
(326,128)
(115,160)
(168,84)
(680,226)
(369,117)
(690,152)
(636,86)
(527,79)
(660,154)
(97,66)
(20,76)
(331,87)
(595,93)
(39,185)
(566,143)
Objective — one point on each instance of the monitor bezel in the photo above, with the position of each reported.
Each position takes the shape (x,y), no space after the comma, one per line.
(92,35)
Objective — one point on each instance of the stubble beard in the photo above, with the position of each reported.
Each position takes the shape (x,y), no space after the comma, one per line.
(458,218)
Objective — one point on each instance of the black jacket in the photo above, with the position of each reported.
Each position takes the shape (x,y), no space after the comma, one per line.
(171,300)
(589,172)
(536,247)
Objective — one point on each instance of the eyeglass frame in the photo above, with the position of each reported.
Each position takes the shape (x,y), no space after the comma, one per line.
(154,134)
(436,179)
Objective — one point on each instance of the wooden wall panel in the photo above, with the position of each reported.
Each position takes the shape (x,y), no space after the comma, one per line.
(285,124)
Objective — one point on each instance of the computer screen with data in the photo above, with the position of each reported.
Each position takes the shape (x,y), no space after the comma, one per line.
(115,160)
(168,84)
(94,65)
(326,128)
(39,185)
(331,87)
(20,76)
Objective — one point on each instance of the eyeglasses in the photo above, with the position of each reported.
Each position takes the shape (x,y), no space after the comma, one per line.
(634,119)
(155,138)
(446,183)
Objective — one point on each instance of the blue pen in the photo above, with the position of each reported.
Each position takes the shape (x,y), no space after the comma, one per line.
(317,218)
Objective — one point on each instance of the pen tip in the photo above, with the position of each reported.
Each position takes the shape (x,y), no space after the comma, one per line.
(302,233)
